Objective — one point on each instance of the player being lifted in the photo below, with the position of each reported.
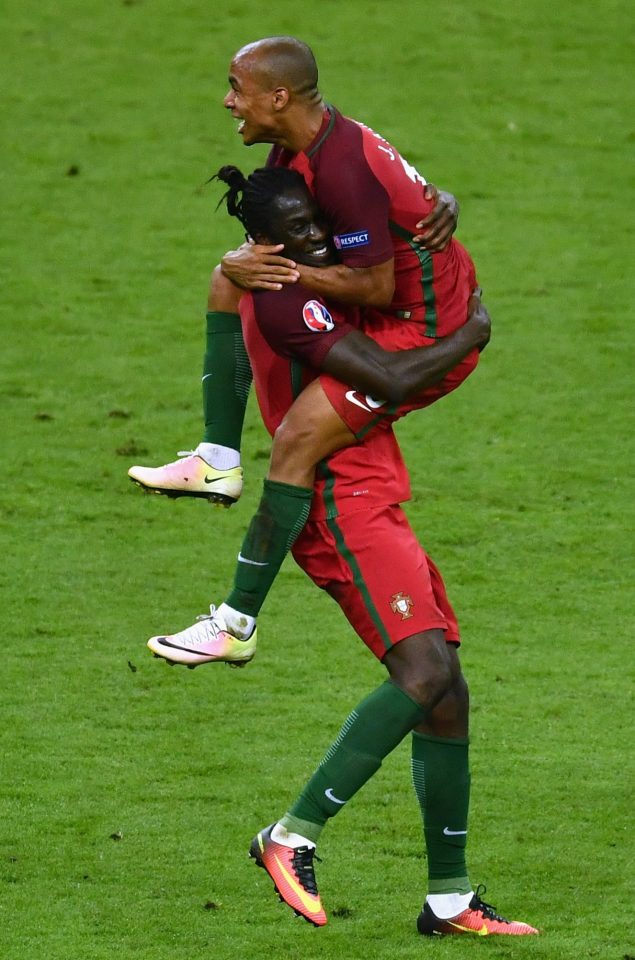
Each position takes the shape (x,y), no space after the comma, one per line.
(374,203)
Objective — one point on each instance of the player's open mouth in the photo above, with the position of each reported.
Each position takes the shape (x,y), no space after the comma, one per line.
(241,124)
(319,251)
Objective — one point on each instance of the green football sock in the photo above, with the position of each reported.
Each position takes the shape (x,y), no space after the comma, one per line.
(370,733)
(441,778)
(282,512)
(226,380)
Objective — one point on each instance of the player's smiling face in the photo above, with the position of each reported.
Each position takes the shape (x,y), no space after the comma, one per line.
(297,222)
(251,102)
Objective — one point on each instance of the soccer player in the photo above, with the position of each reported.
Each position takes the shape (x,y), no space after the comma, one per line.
(274,95)
(359,547)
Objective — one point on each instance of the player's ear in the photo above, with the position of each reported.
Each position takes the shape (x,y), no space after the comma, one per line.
(280,98)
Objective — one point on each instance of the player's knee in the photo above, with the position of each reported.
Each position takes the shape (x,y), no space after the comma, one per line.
(454,705)
(294,443)
(424,667)
(284,441)
(450,717)
(429,685)
(223,296)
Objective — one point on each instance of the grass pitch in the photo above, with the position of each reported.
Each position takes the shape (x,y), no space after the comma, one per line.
(129,792)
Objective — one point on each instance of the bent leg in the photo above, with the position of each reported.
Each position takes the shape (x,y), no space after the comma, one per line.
(371,563)
(310,431)
(313,429)
(387,587)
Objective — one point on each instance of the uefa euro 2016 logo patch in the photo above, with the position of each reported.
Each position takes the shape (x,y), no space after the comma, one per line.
(317,317)
(346,241)
(401,603)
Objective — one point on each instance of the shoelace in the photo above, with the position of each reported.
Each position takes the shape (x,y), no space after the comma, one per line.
(302,862)
(206,628)
(486,909)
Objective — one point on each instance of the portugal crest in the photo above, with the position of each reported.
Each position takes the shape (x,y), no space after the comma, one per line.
(401,603)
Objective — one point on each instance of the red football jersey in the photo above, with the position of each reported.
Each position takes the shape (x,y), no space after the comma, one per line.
(287,334)
(373,200)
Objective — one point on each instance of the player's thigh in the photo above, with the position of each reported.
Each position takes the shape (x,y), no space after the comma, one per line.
(310,431)
(372,564)
(363,412)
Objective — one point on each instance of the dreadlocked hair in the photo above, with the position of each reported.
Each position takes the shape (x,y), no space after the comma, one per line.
(251,199)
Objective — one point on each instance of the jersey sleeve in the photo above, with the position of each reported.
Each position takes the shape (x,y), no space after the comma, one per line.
(299,326)
(356,203)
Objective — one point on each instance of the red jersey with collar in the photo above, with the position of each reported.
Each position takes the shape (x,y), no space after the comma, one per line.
(287,334)
(373,200)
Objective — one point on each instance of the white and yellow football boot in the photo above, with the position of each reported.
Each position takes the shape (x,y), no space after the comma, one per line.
(206,641)
(191,476)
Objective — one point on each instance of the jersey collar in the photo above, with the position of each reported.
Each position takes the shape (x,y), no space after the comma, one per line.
(325,130)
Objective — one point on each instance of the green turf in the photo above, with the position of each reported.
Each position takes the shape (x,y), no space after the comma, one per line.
(129,792)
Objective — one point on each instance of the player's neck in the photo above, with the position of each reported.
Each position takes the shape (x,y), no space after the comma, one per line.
(301,127)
